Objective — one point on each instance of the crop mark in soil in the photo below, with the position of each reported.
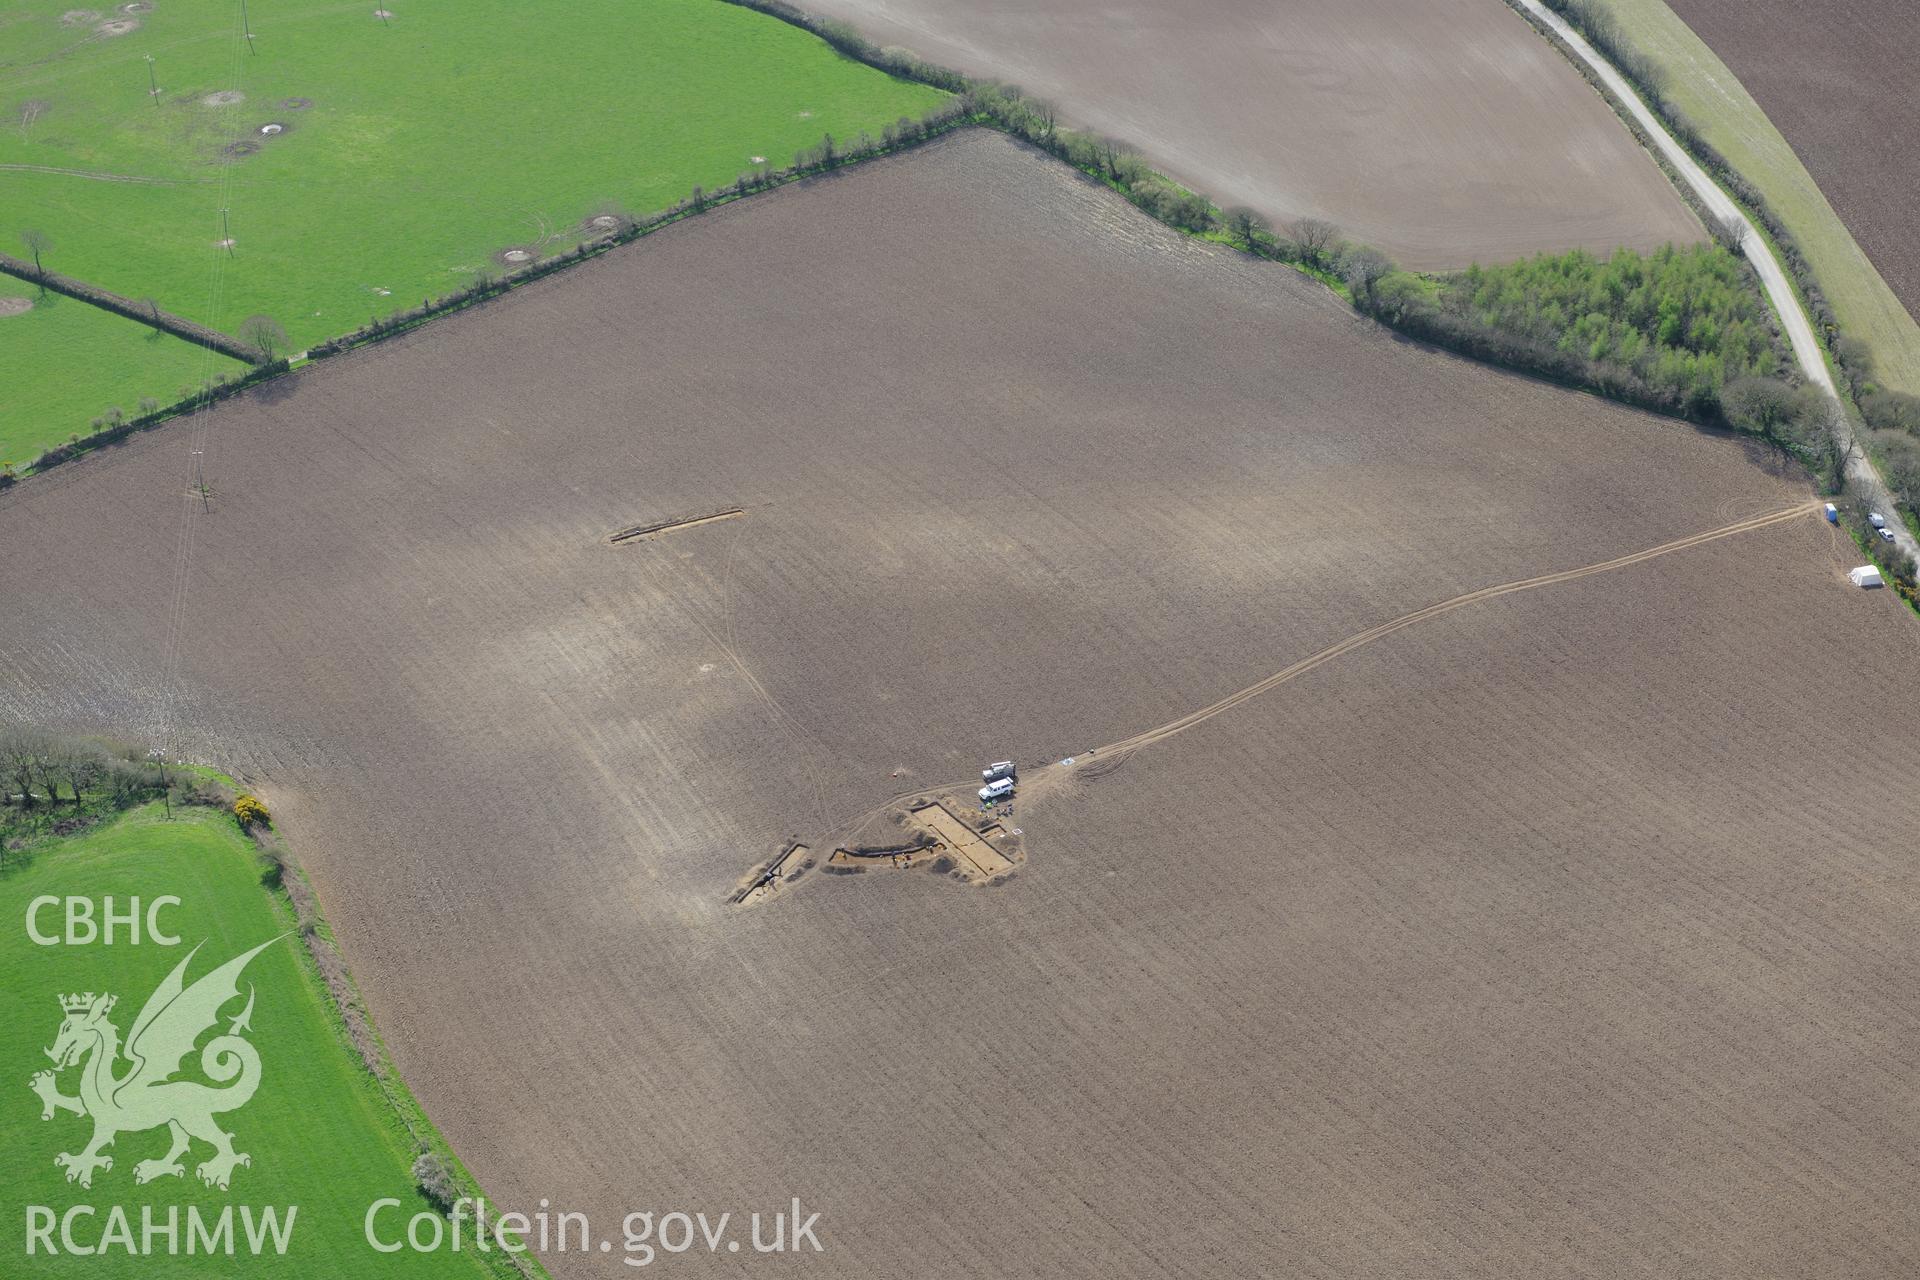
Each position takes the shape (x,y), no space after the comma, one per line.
(673,525)
(118,27)
(296,104)
(244,147)
(224,98)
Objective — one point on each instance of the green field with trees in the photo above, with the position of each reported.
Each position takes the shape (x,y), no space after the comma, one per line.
(1672,329)
(325,1136)
(64,363)
(360,164)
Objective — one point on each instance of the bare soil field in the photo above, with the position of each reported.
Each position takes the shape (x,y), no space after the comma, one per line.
(1837,79)
(1443,131)
(1567,933)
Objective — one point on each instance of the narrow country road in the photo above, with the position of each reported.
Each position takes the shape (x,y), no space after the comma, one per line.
(1861,474)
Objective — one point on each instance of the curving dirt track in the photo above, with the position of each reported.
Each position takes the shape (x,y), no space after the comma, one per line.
(1568,934)
(1095,762)
(1442,131)
(1837,80)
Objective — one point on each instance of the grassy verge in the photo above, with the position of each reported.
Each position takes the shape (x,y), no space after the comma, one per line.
(1697,83)
(63,363)
(323,1132)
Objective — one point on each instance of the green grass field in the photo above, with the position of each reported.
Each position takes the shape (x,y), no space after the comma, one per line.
(1727,116)
(64,363)
(452,133)
(320,1134)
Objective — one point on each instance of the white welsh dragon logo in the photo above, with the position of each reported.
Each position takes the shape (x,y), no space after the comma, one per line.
(145,1095)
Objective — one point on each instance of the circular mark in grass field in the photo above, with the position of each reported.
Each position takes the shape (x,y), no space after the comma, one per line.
(224,98)
(383,14)
(118,27)
(517,256)
(603,222)
(138,6)
(224,244)
(240,148)
(79,17)
(15,307)
(272,130)
(296,104)
(757,159)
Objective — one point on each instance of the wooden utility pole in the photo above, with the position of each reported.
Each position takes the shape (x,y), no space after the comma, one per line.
(166,792)
(200,481)
(153,85)
(247,27)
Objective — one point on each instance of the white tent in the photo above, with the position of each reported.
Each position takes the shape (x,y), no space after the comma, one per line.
(1865,576)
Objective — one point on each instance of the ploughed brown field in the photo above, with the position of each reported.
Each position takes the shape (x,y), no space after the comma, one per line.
(1567,933)
(1837,80)
(1442,131)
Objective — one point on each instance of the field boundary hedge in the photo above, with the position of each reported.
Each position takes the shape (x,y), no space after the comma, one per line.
(150,315)
(820,159)
(114,432)
(1597,26)
(825,157)
(1851,358)
(1350,270)
(288,890)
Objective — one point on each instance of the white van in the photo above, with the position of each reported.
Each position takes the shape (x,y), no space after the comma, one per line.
(997,770)
(998,790)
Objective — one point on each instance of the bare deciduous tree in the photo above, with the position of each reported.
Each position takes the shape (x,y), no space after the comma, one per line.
(1248,227)
(22,752)
(36,243)
(1045,118)
(1362,269)
(1767,407)
(264,335)
(1900,455)
(1316,238)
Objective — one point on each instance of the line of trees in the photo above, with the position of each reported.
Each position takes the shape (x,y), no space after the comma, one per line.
(1884,412)
(145,310)
(263,342)
(116,424)
(54,784)
(1676,325)
(1895,440)
(1679,331)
